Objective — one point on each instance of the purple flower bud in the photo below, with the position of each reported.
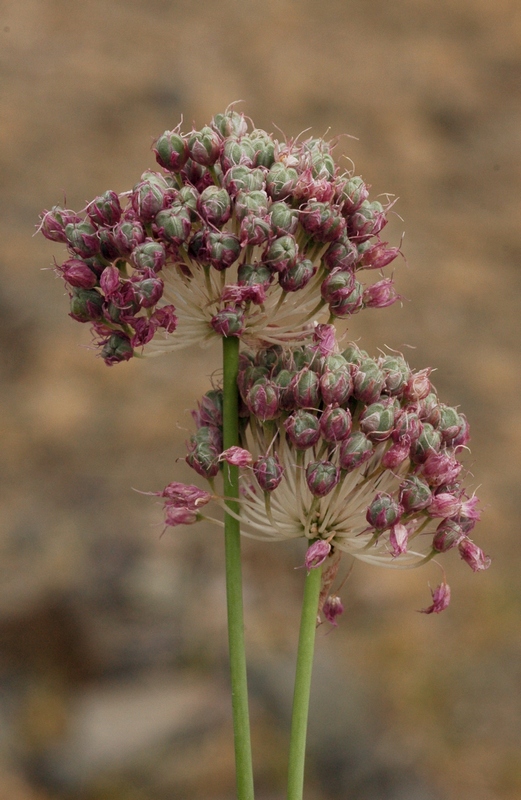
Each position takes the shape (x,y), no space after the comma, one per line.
(214,205)
(380,295)
(86,305)
(448,535)
(429,409)
(148,291)
(177,515)
(184,495)
(349,304)
(148,198)
(263,400)
(204,146)
(55,221)
(110,281)
(383,512)
(354,451)
(76,273)
(428,442)
(222,249)
(415,495)
(341,254)
(473,555)
(406,426)
(280,181)
(398,539)
(378,256)
(368,381)
(254,231)
(149,255)
(396,454)
(283,219)
(336,386)
(231,123)
(338,285)
(282,253)
(82,238)
(368,220)
(210,409)
(353,194)
(165,318)
(444,505)
(108,247)
(116,349)
(322,221)
(303,429)
(418,386)
(335,424)
(305,389)
(297,276)
(236,456)
(127,234)
(105,210)
(332,609)
(228,322)
(463,437)
(251,203)
(450,423)
(440,468)
(377,421)
(397,373)
(316,554)
(440,599)
(203,452)
(173,224)
(321,477)
(268,471)
(171,151)
(144,330)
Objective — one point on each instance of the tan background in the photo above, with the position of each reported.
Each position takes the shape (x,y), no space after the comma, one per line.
(113,659)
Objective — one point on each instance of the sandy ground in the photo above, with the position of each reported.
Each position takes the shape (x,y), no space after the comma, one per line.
(113,659)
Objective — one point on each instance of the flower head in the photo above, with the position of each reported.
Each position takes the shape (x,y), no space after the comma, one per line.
(237,235)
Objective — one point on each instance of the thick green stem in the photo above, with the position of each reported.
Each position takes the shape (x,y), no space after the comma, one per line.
(299,721)
(241,722)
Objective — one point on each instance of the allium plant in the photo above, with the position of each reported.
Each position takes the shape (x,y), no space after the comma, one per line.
(262,244)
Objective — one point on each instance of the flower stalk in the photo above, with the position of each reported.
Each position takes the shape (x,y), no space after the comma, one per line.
(241,722)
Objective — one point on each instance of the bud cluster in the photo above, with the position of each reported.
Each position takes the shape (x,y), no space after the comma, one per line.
(352,453)
(238,235)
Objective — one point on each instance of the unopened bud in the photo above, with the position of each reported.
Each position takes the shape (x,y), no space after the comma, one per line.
(269,472)
(214,205)
(204,146)
(383,512)
(415,494)
(321,477)
(171,151)
(316,554)
(116,349)
(303,429)
(228,322)
(354,451)
(105,210)
(335,424)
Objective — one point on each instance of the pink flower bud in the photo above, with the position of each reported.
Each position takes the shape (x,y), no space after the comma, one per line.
(336,386)
(305,389)
(55,221)
(228,322)
(335,424)
(383,512)
(324,339)
(303,429)
(322,221)
(354,193)
(269,472)
(418,386)
(444,505)
(105,210)
(415,495)
(127,234)
(448,535)
(171,151)
(175,515)
(110,281)
(354,451)
(231,123)
(76,273)
(332,609)
(341,254)
(440,599)
(440,468)
(380,295)
(204,146)
(398,538)
(82,238)
(397,453)
(236,456)
(297,276)
(165,318)
(316,554)
(473,555)
(378,256)
(321,477)
(338,285)
(214,206)
(263,400)
(184,495)
(377,421)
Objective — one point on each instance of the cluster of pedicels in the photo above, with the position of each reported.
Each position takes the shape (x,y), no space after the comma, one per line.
(237,235)
(352,453)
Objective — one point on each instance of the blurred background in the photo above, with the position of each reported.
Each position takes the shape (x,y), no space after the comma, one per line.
(113,665)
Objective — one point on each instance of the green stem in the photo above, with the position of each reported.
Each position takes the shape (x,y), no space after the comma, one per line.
(241,722)
(299,721)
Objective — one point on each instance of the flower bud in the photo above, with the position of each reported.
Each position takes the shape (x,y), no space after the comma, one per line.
(383,512)
(415,495)
(378,256)
(429,441)
(303,429)
(283,380)
(116,349)
(280,181)
(444,505)
(231,123)
(268,472)
(165,317)
(177,515)
(228,322)
(397,373)
(55,221)
(335,424)
(222,249)
(440,468)
(368,220)
(237,151)
(240,177)
(282,253)
(86,305)
(377,421)
(254,203)
(368,381)
(305,389)
(148,291)
(127,234)
(184,495)
(354,451)
(263,400)
(448,535)
(321,477)
(148,198)
(349,304)
(236,456)
(82,238)
(173,224)
(322,221)
(264,147)
(316,554)
(214,205)
(254,231)
(171,151)
(398,539)
(332,609)
(341,254)
(337,285)
(429,409)
(105,210)
(396,454)
(353,194)
(149,255)
(203,452)
(440,599)
(463,436)
(204,146)
(76,273)
(449,424)
(283,219)
(297,276)
(380,295)
(336,386)
(418,386)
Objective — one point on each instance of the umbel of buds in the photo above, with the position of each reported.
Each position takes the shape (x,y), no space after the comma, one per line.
(352,453)
(233,234)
